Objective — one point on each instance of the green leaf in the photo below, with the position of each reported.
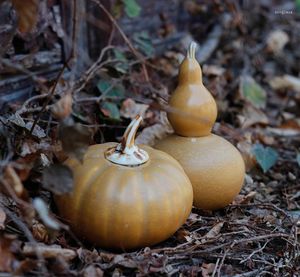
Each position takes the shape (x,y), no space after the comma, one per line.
(109,89)
(117,9)
(144,43)
(111,110)
(265,156)
(253,92)
(132,8)
(121,66)
(297,6)
(298,158)
(119,55)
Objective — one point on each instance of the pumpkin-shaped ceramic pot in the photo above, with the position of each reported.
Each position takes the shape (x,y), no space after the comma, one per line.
(125,196)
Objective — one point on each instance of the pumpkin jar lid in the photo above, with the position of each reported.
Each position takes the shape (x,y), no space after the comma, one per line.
(126,152)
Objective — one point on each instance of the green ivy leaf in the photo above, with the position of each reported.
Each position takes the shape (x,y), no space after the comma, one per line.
(111,110)
(132,8)
(121,66)
(253,92)
(298,6)
(144,43)
(110,90)
(265,156)
(117,9)
(298,158)
(119,55)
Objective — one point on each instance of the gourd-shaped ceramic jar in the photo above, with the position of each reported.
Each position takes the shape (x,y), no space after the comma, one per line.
(125,196)
(215,167)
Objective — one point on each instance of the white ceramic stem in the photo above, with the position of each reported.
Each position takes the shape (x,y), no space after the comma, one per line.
(126,152)
(192,50)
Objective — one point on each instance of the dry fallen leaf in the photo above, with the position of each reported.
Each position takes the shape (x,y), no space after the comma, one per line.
(48,252)
(75,138)
(284,82)
(248,157)
(6,256)
(276,41)
(92,271)
(157,131)
(214,231)
(252,115)
(63,107)
(130,109)
(207,269)
(27,13)
(58,178)
(14,181)
(284,132)
(39,231)
(8,26)
(2,219)
(183,235)
(41,208)
(244,199)
(213,70)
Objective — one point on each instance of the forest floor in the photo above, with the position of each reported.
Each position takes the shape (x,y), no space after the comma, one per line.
(250,59)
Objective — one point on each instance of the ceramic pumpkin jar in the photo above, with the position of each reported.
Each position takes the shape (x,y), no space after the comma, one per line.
(215,167)
(126,196)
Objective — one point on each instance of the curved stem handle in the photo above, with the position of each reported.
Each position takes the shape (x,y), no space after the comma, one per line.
(191,50)
(126,152)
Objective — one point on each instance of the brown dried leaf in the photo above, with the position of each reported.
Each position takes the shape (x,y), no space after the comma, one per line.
(58,178)
(39,231)
(14,181)
(130,109)
(213,70)
(63,107)
(287,129)
(89,257)
(207,269)
(49,252)
(214,231)
(37,130)
(183,235)
(93,271)
(244,199)
(157,131)
(28,13)
(2,219)
(285,82)
(42,209)
(251,116)
(19,121)
(6,256)
(248,157)
(276,41)
(75,138)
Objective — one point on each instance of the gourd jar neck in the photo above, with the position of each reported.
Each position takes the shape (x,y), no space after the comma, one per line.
(190,72)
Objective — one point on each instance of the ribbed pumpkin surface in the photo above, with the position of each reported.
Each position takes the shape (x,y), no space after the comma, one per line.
(125,207)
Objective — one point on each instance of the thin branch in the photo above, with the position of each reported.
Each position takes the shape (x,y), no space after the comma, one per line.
(126,39)
(66,64)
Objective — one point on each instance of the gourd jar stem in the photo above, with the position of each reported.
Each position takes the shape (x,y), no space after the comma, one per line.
(192,50)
